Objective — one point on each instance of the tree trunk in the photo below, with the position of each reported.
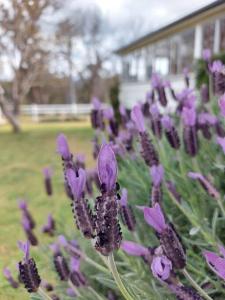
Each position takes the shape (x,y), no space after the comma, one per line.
(9,116)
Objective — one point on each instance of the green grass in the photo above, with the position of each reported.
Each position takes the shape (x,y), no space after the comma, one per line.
(22,158)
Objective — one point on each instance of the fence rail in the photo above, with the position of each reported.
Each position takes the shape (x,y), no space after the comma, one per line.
(37,110)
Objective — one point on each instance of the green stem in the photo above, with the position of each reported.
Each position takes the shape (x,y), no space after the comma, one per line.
(74,288)
(43,295)
(95,293)
(96,265)
(195,285)
(219,200)
(117,278)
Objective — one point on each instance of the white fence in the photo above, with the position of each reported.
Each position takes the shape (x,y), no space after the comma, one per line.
(36,110)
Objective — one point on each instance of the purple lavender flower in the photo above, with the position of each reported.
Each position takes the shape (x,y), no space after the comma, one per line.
(216,262)
(107,168)
(172,189)
(206,54)
(169,239)
(8,275)
(107,226)
(161,267)
(218,74)
(47,180)
(205,122)
(190,133)
(186,77)
(126,212)
(76,182)
(208,187)
(28,231)
(158,85)
(221,142)
(155,121)
(108,113)
(138,118)
(97,115)
(184,292)
(81,209)
(171,132)
(26,213)
(28,270)
(61,267)
(222,105)
(76,276)
(49,227)
(157,174)
(63,147)
(205,93)
(134,249)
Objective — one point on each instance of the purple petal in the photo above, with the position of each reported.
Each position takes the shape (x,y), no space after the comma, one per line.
(167,122)
(195,175)
(108,113)
(47,172)
(96,103)
(138,118)
(206,118)
(62,147)
(25,248)
(221,103)
(221,142)
(216,66)
(122,110)
(206,54)
(107,167)
(189,116)
(77,184)
(161,267)
(222,250)
(55,248)
(62,240)
(134,249)
(75,264)
(22,205)
(216,263)
(157,174)
(155,218)
(123,199)
(7,273)
(154,111)
(155,80)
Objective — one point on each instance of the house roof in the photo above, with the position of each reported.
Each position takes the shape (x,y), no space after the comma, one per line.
(210,11)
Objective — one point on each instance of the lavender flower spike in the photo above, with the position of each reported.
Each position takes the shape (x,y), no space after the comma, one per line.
(138,118)
(222,105)
(62,147)
(76,183)
(208,187)
(216,263)
(161,267)
(157,174)
(189,116)
(47,172)
(28,270)
(8,275)
(155,218)
(126,212)
(107,168)
(221,142)
(134,249)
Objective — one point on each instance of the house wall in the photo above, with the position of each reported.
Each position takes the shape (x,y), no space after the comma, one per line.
(132,92)
(169,57)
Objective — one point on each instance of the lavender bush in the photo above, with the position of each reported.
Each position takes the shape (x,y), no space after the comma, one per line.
(149,220)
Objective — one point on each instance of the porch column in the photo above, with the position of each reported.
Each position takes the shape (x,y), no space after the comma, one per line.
(216,45)
(198,41)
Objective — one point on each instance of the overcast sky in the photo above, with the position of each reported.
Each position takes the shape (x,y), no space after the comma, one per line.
(146,14)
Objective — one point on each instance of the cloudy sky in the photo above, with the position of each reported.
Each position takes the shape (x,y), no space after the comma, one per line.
(146,15)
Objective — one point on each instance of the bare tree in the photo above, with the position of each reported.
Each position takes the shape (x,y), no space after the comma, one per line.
(22,42)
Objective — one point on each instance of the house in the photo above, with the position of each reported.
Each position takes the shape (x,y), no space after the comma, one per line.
(170,49)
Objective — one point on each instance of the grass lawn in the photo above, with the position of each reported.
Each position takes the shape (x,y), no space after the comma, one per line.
(22,158)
